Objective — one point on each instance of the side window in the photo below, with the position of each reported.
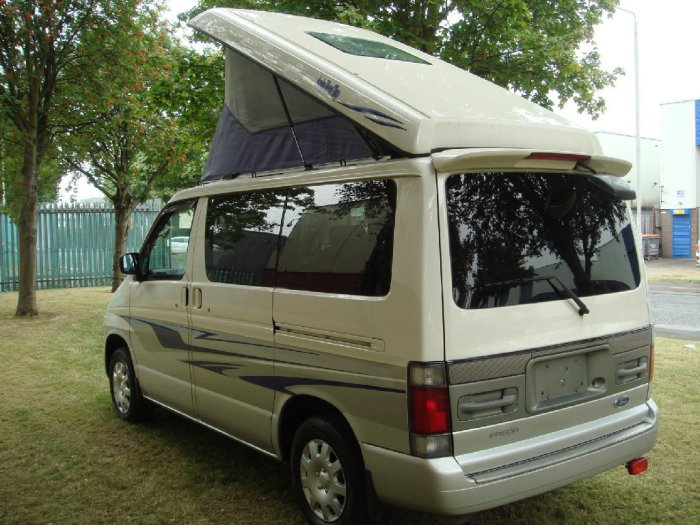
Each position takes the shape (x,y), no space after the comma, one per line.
(165,252)
(339,238)
(242,233)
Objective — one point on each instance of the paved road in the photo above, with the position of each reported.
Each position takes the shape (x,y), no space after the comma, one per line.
(675,311)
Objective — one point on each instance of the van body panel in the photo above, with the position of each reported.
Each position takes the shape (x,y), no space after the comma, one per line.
(160,330)
(232,346)
(486,335)
(454,493)
(546,433)
(471,159)
(369,341)
(481,332)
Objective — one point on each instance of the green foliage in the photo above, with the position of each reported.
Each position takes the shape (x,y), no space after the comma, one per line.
(38,41)
(149,113)
(192,95)
(541,49)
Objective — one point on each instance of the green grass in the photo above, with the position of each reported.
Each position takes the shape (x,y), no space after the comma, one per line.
(66,459)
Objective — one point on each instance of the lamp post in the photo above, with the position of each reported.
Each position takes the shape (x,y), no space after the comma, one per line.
(638,159)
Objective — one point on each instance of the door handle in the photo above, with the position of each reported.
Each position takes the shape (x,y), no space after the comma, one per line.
(184,296)
(196,298)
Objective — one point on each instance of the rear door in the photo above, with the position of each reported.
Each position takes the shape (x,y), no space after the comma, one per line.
(545,309)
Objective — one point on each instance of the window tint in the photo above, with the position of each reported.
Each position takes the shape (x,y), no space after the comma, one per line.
(165,252)
(339,238)
(241,237)
(519,238)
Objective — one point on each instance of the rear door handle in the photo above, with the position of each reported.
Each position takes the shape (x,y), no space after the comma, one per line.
(196,298)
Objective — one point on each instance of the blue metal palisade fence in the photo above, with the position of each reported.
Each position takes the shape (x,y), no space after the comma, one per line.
(75,244)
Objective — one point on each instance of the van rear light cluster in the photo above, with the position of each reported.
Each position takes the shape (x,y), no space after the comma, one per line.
(429,410)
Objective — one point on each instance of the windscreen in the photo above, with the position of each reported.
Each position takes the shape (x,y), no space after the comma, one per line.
(519,238)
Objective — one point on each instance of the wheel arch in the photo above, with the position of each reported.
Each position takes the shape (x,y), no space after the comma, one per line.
(298,409)
(112,343)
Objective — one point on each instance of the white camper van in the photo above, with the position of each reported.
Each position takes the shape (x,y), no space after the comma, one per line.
(411,285)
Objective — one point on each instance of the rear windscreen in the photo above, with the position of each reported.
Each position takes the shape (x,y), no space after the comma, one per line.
(519,238)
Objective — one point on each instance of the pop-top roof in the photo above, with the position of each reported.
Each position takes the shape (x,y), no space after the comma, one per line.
(412,102)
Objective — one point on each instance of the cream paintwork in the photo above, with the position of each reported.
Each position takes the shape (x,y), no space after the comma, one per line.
(439,105)
(401,327)
(549,432)
(453,493)
(240,317)
(161,371)
(488,159)
(483,332)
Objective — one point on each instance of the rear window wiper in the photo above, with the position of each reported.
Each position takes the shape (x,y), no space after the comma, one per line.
(551,279)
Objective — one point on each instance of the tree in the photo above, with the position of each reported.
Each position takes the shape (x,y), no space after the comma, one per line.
(38,40)
(541,49)
(141,128)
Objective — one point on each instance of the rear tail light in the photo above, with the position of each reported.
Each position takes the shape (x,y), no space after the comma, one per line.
(637,466)
(429,410)
(651,362)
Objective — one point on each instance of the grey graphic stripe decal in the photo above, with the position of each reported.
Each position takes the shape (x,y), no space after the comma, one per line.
(282,384)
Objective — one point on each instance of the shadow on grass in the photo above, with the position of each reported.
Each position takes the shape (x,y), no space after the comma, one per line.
(211,460)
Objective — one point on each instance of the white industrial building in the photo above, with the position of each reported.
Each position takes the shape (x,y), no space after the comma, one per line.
(680,177)
(670,176)
(625,147)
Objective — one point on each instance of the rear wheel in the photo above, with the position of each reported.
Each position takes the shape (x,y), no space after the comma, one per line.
(328,473)
(127,401)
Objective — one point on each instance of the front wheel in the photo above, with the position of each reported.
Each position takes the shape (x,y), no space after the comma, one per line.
(327,473)
(127,401)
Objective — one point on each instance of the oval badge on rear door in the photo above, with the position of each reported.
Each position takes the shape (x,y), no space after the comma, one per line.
(621,401)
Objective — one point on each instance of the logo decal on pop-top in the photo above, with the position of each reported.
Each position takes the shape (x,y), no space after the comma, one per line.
(329,87)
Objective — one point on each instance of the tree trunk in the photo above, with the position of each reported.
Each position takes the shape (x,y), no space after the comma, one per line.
(122,216)
(28,219)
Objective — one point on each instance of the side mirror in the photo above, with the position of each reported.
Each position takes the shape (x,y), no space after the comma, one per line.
(130,264)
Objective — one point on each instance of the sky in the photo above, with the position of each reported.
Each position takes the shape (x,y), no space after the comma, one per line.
(668,70)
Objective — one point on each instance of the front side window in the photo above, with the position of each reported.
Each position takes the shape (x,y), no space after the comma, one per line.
(518,238)
(165,252)
(339,238)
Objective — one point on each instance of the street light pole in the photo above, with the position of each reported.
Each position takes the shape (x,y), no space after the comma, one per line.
(638,159)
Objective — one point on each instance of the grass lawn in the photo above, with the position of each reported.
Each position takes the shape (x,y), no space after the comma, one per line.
(66,459)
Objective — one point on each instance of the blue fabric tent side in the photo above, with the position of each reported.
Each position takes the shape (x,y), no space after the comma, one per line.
(236,150)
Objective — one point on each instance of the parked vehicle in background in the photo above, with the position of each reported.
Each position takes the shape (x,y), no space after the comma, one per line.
(179,244)
(411,285)
(697,254)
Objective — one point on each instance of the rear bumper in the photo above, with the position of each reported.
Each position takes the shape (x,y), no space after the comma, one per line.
(440,485)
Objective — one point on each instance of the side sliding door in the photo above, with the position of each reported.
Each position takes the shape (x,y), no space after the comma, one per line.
(231,308)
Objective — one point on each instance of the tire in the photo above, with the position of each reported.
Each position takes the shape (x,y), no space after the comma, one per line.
(127,401)
(328,473)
